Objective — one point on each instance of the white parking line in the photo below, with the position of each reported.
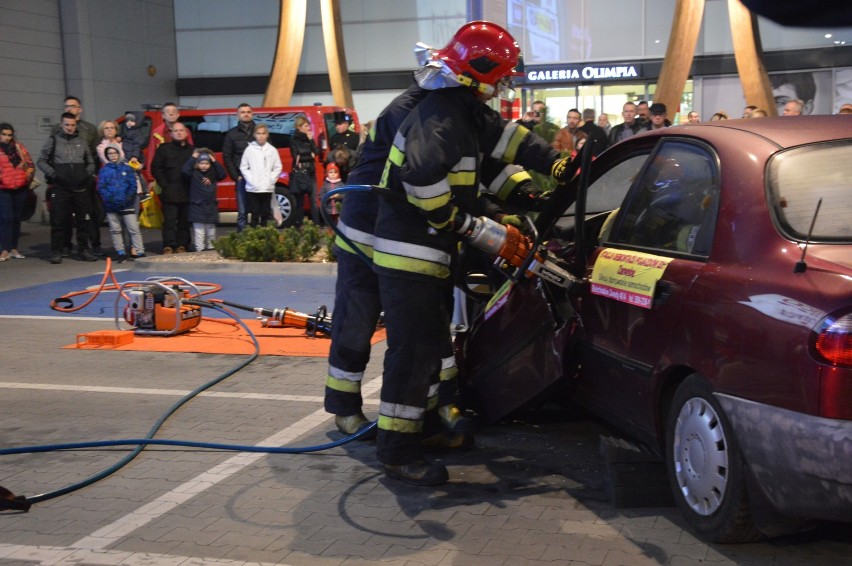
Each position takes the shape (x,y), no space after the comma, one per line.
(170,392)
(70,556)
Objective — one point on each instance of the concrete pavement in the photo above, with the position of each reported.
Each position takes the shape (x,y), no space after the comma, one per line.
(531,492)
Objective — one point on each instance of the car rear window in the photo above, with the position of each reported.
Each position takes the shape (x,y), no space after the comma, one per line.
(800,178)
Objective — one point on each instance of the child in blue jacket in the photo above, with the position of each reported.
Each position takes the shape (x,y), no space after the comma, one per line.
(119,189)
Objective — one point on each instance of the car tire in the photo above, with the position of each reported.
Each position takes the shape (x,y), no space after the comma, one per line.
(705,467)
(286,204)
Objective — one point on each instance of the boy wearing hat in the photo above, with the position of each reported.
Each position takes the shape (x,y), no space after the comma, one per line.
(204,173)
(119,188)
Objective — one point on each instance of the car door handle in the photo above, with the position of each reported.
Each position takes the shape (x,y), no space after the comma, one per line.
(662,292)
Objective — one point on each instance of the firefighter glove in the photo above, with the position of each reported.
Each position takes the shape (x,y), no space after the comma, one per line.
(511,219)
(563,170)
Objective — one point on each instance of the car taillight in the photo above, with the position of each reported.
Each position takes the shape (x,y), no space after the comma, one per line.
(834,340)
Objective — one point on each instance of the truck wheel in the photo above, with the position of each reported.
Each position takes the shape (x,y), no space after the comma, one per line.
(705,467)
(285,204)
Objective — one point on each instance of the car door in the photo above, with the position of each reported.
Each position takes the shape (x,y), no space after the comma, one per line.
(648,255)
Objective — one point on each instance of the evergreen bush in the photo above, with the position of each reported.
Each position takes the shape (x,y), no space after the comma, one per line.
(267,243)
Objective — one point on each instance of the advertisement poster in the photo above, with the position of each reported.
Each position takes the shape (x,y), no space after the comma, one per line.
(628,277)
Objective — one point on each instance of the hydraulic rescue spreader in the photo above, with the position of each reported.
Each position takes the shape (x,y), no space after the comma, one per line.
(512,249)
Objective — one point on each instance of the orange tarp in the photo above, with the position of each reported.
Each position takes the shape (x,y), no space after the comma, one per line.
(212,337)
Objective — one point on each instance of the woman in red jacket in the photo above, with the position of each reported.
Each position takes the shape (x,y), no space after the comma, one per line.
(16,173)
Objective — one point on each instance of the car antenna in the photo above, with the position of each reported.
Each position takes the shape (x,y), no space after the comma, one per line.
(801,266)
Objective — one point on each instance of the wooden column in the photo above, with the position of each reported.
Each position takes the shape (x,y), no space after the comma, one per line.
(679,53)
(335,56)
(748,54)
(288,53)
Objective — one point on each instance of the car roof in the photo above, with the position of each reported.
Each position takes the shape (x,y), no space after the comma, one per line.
(783,131)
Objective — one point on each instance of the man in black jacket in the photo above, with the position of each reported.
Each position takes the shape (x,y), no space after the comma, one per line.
(166,169)
(594,133)
(628,128)
(68,164)
(233,147)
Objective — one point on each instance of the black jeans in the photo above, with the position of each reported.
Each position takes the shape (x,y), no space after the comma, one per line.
(176,225)
(11,210)
(259,205)
(302,183)
(65,203)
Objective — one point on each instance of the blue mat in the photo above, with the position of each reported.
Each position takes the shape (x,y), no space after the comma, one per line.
(304,293)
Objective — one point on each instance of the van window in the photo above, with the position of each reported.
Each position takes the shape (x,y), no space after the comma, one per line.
(281,126)
(207,131)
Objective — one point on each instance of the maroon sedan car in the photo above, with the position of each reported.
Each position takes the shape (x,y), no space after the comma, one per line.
(714,322)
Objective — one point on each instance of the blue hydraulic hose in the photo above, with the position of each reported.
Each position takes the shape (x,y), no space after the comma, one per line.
(189,443)
(150,440)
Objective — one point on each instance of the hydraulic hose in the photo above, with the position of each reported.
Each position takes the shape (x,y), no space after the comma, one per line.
(148,439)
(329,222)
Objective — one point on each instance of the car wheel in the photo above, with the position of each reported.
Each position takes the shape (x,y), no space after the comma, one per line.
(705,467)
(285,204)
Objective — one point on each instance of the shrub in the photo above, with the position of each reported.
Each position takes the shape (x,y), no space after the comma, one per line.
(267,243)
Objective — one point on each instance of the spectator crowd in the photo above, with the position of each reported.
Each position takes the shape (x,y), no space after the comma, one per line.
(94,174)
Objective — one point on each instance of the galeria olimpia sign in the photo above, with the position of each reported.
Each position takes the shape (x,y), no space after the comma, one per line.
(586,73)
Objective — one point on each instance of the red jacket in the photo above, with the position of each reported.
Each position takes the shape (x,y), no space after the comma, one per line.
(16,177)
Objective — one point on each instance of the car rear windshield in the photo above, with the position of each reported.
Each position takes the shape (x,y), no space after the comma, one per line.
(802,177)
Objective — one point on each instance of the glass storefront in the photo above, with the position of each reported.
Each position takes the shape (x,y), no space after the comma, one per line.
(608,99)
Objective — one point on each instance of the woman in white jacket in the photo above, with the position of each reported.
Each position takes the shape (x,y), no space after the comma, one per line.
(260,167)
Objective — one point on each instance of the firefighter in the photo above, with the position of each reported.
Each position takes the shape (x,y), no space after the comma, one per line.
(357,304)
(356,300)
(432,178)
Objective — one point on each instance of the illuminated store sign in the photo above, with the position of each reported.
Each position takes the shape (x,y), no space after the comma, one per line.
(583,73)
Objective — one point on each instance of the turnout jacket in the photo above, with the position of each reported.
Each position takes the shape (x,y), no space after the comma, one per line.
(358,217)
(434,173)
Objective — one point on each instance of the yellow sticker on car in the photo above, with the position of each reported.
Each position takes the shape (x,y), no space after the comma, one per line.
(627,276)
(496,302)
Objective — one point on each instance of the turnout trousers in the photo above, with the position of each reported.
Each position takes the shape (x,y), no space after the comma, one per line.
(417,320)
(356,312)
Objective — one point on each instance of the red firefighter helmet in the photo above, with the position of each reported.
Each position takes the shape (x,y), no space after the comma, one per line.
(482,51)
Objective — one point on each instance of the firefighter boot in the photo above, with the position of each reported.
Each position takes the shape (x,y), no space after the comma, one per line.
(454,420)
(446,440)
(419,473)
(354,423)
